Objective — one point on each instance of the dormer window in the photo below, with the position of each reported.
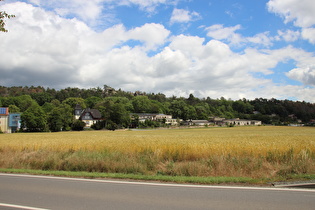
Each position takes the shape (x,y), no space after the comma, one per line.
(87,116)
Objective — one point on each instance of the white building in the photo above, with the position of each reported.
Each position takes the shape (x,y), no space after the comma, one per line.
(4,120)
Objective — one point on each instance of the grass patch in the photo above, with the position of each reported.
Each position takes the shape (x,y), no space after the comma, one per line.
(160,178)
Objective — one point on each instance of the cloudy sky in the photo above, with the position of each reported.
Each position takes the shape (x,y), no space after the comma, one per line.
(230,48)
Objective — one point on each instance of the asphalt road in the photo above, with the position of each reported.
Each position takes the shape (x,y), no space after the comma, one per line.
(40,192)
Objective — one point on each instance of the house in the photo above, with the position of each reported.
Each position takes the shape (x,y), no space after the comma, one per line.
(217,120)
(4,120)
(150,116)
(163,116)
(14,122)
(199,122)
(9,122)
(77,111)
(171,121)
(155,117)
(143,116)
(237,122)
(89,116)
(240,122)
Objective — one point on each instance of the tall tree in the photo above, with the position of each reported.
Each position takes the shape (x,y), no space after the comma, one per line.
(14,109)
(34,119)
(179,109)
(55,120)
(141,104)
(60,118)
(72,102)
(119,115)
(92,101)
(41,98)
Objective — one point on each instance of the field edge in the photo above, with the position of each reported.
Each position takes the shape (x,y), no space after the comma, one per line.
(162,178)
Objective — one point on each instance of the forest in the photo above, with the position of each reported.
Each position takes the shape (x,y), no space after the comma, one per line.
(48,109)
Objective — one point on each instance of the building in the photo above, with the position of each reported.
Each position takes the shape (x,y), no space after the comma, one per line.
(9,122)
(217,120)
(235,122)
(199,122)
(88,116)
(240,122)
(4,120)
(171,121)
(163,116)
(14,122)
(155,117)
(149,116)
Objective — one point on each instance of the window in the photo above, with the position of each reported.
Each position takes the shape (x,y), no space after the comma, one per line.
(87,116)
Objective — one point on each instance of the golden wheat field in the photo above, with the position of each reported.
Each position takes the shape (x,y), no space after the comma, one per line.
(240,151)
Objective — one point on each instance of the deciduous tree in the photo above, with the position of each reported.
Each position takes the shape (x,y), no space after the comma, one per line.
(34,119)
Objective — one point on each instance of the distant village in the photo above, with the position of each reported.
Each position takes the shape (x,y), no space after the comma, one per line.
(39,109)
(11,122)
(213,121)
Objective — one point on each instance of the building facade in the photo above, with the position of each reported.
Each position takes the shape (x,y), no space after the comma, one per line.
(4,120)
(9,122)
(88,116)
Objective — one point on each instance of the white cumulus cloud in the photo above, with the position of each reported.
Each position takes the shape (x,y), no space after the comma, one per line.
(152,35)
(220,32)
(94,11)
(229,35)
(288,35)
(301,12)
(305,75)
(309,34)
(43,48)
(183,16)
(85,10)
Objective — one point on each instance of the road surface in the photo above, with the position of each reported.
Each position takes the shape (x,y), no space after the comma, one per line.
(44,192)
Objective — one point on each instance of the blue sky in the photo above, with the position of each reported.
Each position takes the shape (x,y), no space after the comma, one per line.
(230,48)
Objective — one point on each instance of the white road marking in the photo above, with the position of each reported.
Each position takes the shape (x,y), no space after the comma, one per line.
(20,207)
(158,184)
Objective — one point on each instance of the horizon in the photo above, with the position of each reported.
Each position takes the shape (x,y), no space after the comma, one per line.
(145,93)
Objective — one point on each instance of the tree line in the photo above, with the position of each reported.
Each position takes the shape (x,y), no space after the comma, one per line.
(48,109)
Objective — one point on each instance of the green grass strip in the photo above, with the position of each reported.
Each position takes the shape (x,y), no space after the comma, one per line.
(160,178)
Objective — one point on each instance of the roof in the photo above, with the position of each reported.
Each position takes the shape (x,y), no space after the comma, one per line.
(144,114)
(4,111)
(200,121)
(94,113)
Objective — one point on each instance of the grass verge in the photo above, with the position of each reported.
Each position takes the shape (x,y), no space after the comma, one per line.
(163,178)
(159,178)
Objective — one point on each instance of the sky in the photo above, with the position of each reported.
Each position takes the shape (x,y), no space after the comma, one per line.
(209,48)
